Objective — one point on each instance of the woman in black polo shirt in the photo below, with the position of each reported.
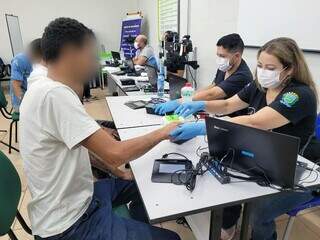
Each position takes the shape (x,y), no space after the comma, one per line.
(283,99)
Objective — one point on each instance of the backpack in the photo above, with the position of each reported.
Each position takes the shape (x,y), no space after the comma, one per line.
(5,69)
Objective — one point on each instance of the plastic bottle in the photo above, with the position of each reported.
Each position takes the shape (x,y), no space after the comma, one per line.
(160,81)
(187,92)
(122,54)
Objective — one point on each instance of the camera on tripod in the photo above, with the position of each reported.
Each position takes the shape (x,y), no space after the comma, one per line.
(175,51)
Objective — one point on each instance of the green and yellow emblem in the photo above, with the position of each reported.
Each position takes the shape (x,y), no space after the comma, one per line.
(289,99)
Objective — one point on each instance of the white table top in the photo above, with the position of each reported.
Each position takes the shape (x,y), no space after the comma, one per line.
(117,80)
(167,201)
(125,117)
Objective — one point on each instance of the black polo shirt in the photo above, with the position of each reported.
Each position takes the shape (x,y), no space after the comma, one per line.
(236,81)
(297,103)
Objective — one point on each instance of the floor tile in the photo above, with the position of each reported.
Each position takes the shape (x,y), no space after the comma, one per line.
(311,221)
(184,232)
(299,231)
(23,211)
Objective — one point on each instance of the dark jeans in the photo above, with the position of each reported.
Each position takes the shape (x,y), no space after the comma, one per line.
(100,223)
(266,210)
(231,216)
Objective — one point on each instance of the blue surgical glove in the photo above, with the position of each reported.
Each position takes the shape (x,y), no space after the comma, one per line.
(188,130)
(188,108)
(163,108)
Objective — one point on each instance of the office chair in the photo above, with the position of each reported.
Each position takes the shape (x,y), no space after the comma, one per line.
(14,117)
(10,193)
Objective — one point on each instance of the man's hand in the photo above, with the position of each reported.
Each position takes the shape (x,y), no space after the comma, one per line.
(166,130)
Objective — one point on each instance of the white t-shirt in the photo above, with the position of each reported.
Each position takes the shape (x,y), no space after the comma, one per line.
(52,124)
(38,71)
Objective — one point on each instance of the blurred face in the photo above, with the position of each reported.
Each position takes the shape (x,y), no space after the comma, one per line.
(82,62)
(35,58)
(270,71)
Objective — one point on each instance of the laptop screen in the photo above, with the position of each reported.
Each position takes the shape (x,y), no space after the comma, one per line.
(254,151)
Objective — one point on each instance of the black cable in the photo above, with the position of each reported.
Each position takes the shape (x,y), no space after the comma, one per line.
(174,153)
(302,181)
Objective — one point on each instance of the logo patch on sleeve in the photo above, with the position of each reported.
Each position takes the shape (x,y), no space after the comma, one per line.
(289,99)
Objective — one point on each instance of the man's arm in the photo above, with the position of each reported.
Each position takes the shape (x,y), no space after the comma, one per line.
(16,84)
(212,93)
(140,60)
(116,153)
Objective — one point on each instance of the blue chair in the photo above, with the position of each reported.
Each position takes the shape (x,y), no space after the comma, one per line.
(318,127)
(313,203)
(293,213)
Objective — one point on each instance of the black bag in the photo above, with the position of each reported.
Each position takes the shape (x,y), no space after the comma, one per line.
(2,69)
(5,69)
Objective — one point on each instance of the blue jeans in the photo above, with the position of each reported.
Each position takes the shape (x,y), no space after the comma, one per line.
(266,210)
(100,223)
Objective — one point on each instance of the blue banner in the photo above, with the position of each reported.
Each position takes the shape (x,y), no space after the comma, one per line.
(130,29)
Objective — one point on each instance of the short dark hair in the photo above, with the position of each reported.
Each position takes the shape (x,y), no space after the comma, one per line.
(59,33)
(231,42)
(35,47)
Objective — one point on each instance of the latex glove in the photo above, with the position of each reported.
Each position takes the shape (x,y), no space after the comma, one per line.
(189,108)
(188,130)
(169,106)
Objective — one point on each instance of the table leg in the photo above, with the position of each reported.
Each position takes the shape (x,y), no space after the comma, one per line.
(101,79)
(215,224)
(245,235)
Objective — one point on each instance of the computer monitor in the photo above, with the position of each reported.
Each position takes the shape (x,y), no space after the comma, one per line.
(152,74)
(254,151)
(116,56)
(175,85)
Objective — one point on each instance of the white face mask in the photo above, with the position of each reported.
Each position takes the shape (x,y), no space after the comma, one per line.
(268,78)
(223,64)
(136,46)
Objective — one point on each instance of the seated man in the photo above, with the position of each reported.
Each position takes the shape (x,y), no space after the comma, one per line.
(21,67)
(233,74)
(55,136)
(39,68)
(144,54)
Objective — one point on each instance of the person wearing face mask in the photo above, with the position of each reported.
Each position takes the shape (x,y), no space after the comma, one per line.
(144,54)
(283,99)
(233,74)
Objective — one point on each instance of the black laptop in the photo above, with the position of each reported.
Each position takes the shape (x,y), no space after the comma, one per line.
(175,85)
(116,56)
(254,151)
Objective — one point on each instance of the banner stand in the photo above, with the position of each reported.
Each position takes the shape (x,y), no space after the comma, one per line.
(131,28)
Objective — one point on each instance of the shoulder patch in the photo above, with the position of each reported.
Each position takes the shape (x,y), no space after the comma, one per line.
(289,99)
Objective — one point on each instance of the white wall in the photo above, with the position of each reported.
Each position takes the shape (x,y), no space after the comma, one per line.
(209,20)
(103,16)
(149,9)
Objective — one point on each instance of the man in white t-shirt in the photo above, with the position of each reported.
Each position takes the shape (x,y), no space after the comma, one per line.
(55,136)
